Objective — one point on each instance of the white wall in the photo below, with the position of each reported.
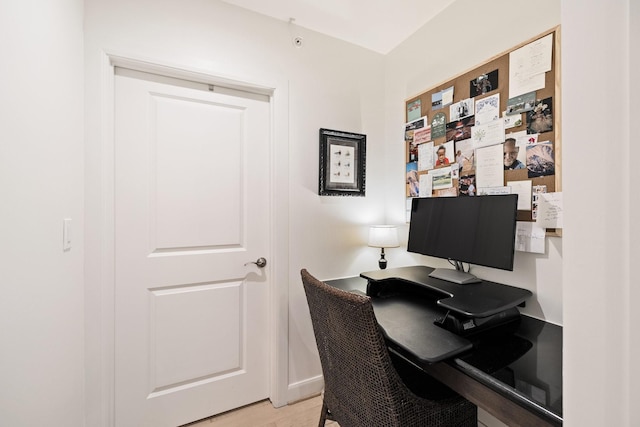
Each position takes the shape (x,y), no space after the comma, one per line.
(423,61)
(633,371)
(330,83)
(41,182)
(601,343)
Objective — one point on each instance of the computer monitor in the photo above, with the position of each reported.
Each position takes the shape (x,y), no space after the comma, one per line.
(476,230)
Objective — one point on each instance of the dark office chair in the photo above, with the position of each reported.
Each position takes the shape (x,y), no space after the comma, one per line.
(361,385)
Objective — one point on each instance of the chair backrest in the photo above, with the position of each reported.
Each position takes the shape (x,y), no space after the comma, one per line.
(361,384)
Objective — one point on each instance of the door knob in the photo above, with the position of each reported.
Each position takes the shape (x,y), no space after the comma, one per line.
(260,262)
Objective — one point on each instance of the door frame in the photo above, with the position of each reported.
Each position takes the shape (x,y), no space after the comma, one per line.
(100,257)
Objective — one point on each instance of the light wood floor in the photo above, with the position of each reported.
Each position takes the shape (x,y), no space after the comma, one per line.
(305,413)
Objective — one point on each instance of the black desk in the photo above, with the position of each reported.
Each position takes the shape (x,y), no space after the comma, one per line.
(516,376)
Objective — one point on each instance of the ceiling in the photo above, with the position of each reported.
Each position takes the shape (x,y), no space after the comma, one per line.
(378,25)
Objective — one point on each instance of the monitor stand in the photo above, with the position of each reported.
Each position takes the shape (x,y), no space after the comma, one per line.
(455,276)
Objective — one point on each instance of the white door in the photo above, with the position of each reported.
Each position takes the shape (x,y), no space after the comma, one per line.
(191,209)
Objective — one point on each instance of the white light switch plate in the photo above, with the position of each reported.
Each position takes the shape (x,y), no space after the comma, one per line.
(66,234)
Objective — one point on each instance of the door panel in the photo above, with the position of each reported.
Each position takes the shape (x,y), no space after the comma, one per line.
(180,318)
(190,173)
(191,209)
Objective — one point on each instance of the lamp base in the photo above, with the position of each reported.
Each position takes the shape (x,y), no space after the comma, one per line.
(382,263)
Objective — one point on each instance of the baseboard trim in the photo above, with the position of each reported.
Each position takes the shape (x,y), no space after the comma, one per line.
(304,389)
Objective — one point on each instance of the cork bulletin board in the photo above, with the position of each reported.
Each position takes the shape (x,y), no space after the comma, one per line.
(506,110)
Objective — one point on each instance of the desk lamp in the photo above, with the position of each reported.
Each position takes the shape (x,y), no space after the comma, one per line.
(383,236)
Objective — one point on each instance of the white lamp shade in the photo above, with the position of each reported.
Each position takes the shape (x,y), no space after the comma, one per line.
(383,236)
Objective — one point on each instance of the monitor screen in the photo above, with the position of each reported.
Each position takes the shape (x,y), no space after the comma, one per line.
(477,230)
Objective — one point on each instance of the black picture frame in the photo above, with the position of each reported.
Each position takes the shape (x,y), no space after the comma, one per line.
(342,163)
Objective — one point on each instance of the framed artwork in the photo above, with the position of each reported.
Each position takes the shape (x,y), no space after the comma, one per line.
(342,163)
